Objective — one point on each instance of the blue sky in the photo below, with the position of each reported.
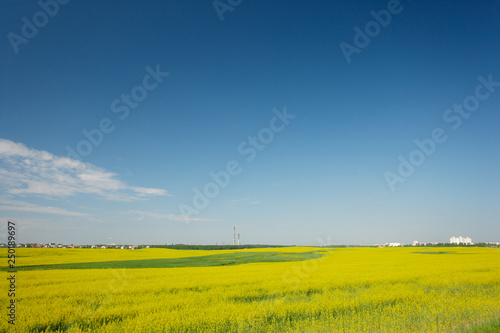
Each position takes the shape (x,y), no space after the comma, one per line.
(204,87)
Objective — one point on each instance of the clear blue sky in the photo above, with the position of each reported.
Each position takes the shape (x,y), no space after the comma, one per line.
(320,178)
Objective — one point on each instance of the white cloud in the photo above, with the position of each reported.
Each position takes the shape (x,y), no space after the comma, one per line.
(239,200)
(283,224)
(236,203)
(171,217)
(143,191)
(21,206)
(27,171)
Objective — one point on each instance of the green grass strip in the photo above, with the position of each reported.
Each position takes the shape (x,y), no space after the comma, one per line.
(203,261)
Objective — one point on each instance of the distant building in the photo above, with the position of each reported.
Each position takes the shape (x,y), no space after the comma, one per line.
(460,240)
(395,244)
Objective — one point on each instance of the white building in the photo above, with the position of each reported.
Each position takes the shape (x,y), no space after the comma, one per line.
(460,240)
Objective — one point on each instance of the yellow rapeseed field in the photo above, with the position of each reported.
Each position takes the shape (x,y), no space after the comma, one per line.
(346,290)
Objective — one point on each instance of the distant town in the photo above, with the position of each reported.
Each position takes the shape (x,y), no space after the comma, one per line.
(454,241)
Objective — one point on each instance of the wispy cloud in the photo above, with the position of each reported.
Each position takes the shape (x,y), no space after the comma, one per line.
(284,224)
(140,214)
(247,200)
(21,206)
(27,171)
